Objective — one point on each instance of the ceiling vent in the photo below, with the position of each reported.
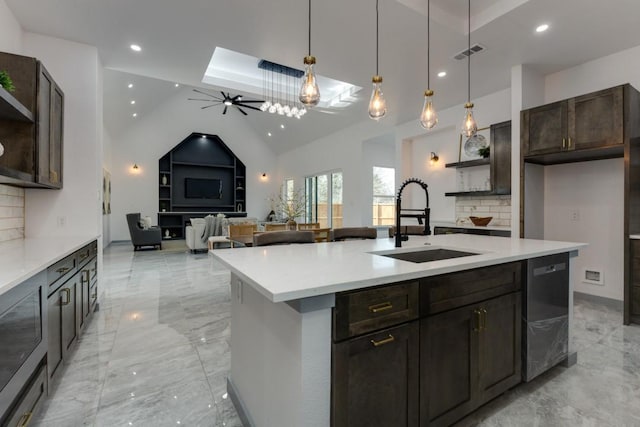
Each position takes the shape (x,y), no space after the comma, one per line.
(476,48)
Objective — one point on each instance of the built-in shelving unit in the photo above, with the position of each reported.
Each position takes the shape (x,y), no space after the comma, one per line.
(468,163)
(200,156)
(11,109)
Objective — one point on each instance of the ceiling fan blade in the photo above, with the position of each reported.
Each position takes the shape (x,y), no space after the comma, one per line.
(225,109)
(248,106)
(250,100)
(236,98)
(212,105)
(241,110)
(224,96)
(204,93)
(197,99)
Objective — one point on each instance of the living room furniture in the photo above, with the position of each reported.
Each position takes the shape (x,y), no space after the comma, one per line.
(276,226)
(242,234)
(176,222)
(308,225)
(348,233)
(283,237)
(140,237)
(199,176)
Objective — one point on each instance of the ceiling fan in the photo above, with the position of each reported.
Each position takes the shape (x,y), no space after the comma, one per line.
(228,101)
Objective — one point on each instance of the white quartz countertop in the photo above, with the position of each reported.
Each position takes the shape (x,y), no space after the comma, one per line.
(453,224)
(634,236)
(24,258)
(291,272)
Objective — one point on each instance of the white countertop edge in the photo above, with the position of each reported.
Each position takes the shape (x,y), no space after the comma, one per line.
(634,236)
(15,269)
(459,264)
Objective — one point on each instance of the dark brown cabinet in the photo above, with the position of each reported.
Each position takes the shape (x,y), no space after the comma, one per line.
(582,128)
(471,355)
(31,125)
(49,130)
(635,281)
(375,379)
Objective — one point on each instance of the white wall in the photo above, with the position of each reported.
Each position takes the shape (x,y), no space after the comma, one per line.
(156,134)
(444,140)
(594,191)
(74,210)
(10,31)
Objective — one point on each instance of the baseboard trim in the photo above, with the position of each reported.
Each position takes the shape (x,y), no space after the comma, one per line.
(245,419)
(608,302)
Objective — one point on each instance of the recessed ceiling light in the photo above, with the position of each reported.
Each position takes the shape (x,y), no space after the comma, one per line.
(281,126)
(135,48)
(135,115)
(177,84)
(130,85)
(269,133)
(442,73)
(133,102)
(542,28)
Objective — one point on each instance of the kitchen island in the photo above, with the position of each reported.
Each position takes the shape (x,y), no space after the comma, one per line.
(284,326)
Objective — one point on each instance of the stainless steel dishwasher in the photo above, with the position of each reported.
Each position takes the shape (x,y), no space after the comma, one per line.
(545,314)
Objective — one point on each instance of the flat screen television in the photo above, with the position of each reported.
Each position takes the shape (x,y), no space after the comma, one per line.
(201,188)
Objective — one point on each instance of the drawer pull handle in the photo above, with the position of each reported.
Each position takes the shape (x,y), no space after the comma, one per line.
(25,419)
(67,291)
(377,308)
(84,256)
(63,270)
(483,327)
(569,143)
(94,296)
(564,143)
(384,341)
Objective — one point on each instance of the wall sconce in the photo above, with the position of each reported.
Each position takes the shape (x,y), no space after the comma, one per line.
(135,169)
(263,177)
(433,159)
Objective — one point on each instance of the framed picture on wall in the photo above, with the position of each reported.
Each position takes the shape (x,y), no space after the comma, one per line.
(469,147)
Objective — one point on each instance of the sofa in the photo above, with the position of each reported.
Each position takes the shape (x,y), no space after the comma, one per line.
(194,232)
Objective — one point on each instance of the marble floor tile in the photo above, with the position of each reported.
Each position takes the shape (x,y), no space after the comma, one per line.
(157,353)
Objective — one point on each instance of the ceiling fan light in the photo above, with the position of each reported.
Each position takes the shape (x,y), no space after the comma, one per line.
(273,109)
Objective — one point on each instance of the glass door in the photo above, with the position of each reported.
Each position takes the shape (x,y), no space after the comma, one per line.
(324,199)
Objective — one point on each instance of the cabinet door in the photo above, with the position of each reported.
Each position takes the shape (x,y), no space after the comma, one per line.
(55,144)
(43,124)
(375,379)
(68,301)
(54,328)
(449,365)
(544,129)
(596,119)
(501,158)
(500,346)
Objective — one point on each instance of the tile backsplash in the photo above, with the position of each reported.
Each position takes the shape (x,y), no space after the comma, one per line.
(11,213)
(499,207)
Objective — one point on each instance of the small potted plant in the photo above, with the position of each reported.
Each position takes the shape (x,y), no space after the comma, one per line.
(290,206)
(6,82)
(484,151)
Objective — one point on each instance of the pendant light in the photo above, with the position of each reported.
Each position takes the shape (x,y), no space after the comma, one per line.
(469,125)
(377,104)
(309,92)
(428,117)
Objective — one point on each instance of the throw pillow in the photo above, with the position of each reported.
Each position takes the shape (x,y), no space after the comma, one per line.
(198,221)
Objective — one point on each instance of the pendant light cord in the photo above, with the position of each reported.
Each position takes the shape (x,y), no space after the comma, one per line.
(469,55)
(377,44)
(428,44)
(309,27)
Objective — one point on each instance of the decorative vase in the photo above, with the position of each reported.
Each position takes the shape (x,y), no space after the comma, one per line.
(164,179)
(291,224)
(166,234)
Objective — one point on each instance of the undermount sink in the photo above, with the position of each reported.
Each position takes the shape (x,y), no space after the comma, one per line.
(428,255)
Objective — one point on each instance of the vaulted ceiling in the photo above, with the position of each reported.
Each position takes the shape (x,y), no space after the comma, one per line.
(178,39)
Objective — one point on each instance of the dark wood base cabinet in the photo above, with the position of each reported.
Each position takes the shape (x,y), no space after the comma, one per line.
(376,379)
(470,355)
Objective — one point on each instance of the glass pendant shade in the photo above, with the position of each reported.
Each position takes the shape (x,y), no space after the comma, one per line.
(377,104)
(428,117)
(309,92)
(469,125)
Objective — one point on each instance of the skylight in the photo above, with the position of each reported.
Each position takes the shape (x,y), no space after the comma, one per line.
(238,71)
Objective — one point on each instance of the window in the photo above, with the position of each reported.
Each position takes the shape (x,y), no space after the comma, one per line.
(384,205)
(324,199)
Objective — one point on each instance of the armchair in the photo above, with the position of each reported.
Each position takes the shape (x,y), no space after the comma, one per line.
(140,237)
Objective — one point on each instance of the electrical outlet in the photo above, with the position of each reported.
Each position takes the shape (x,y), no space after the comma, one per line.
(574,215)
(62,220)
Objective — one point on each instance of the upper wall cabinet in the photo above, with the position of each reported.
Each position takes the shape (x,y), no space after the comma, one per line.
(31,125)
(587,127)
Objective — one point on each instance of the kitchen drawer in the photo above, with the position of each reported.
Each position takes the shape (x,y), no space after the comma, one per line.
(366,311)
(84,255)
(61,271)
(449,291)
(94,248)
(30,402)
